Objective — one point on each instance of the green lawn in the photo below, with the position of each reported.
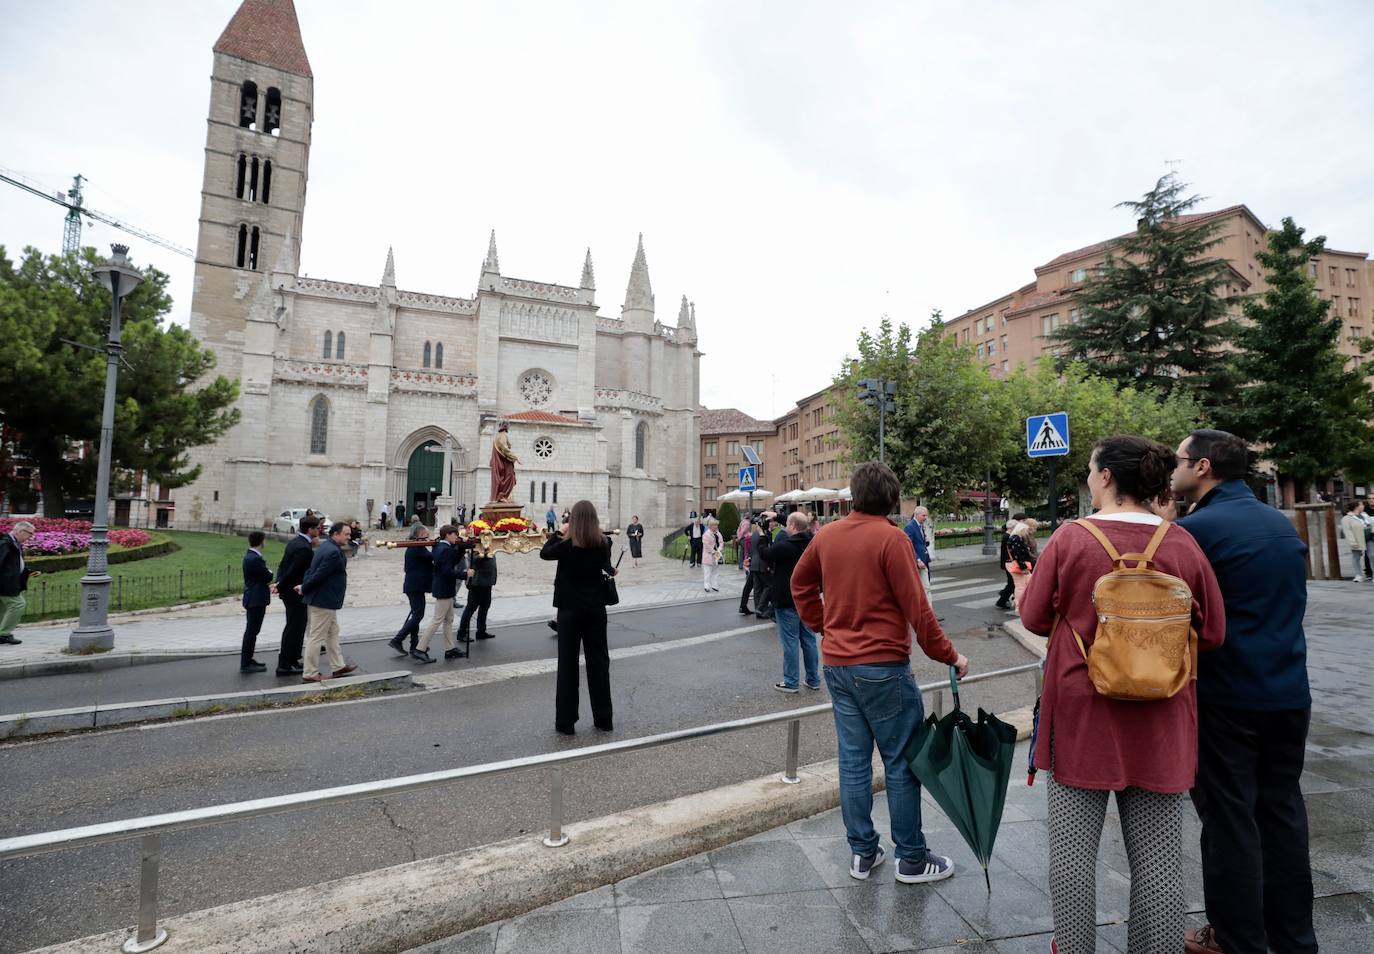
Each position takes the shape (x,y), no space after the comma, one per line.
(206,565)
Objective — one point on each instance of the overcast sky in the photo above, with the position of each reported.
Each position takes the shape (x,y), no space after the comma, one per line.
(798,169)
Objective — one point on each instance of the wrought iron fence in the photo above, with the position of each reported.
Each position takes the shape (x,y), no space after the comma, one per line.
(54,600)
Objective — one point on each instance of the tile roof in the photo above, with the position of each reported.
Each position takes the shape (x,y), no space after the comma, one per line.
(731,420)
(1102,246)
(541,417)
(266,32)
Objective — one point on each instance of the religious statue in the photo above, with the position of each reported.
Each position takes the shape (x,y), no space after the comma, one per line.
(503,461)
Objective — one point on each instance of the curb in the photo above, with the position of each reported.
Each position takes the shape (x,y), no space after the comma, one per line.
(1028,640)
(24,724)
(408,905)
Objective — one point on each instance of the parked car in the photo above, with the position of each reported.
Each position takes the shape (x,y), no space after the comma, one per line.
(289,521)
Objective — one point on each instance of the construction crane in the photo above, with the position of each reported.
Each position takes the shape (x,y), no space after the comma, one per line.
(71,200)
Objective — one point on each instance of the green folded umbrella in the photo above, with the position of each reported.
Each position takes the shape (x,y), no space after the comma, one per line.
(965,766)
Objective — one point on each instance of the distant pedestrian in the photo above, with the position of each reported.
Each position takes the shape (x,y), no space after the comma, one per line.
(1254,707)
(873,603)
(694,531)
(323,591)
(922,515)
(635,533)
(290,572)
(257,580)
(14,580)
(583,555)
(1021,563)
(796,637)
(481,577)
(448,566)
(916,534)
(1356,534)
(712,553)
(1004,561)
(742,535)
(760,569)
(386,513)
(419,579)
(400,514)
(551,520)
(1094,744)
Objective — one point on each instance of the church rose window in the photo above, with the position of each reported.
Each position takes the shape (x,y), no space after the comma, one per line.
(536,389)
(543,448)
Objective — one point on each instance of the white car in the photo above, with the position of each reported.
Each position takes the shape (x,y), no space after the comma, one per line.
(289,521)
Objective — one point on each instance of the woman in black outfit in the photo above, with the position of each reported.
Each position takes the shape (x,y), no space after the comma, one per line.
(579,595)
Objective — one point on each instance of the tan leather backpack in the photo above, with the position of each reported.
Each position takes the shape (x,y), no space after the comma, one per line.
(1145,647)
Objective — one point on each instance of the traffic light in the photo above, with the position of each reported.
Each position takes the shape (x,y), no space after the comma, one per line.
(876,392)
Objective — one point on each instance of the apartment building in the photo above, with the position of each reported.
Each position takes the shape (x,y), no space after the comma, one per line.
(723,432)
(811,446)
(1011,330)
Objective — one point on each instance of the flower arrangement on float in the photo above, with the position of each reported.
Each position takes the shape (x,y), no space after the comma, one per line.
(505,527)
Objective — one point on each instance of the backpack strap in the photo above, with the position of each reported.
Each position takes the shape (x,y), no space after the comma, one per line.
(1142,560)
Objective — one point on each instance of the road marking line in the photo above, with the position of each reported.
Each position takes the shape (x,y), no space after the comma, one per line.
(969,591)
(951,584)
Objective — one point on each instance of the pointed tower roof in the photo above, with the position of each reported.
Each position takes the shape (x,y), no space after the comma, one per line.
(639,294)
(491,263)
(389,273)
(684,316)
(266,32)
(588,276)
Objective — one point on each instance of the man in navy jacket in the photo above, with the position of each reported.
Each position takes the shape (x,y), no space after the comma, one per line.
(419,578)
(257,579)
(448,564)
(290,572)
(323,591)
(1253,711)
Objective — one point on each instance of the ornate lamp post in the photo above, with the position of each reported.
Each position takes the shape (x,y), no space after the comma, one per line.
(120,278)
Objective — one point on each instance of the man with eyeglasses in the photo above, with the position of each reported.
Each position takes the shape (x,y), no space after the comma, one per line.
(1254,706)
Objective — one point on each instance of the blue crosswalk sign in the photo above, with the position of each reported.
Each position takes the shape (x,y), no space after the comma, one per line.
(1047,435)
(747,479)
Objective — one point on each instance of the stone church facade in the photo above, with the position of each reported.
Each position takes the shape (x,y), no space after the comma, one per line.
(351,392)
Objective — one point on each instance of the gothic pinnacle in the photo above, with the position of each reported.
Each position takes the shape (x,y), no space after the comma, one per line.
(588,276)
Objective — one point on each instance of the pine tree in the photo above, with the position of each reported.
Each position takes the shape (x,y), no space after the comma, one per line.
(1153,315)
(1299,401)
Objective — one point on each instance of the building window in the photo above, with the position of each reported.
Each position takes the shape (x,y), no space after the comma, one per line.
(731,471)
(1078,275)
(732,447)
(1004,344)
(248,105)
(1331,270)
(710,493)
(240,175)
(242,255)
(710,448)
(543,447)
(992,348)
(253,180)
(543,491)
(1312,269)
(712,472)
(1004,365)
(426,357)
(253,248)
(531,491)
(319,425)
(266,181)
(555,492)
(536,388)
(271,114)
(980,351)
(641,442)
(328,344)
(438,354)
(1350,278)
(339,346)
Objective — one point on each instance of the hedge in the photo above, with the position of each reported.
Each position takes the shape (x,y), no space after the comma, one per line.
(157,546)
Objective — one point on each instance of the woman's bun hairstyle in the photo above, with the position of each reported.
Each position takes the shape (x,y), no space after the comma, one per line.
(1141,468)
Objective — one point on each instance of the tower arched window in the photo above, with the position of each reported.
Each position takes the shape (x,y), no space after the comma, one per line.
(339,346)
(242,257)
(438,354)
(271,116)
(641,440)
(329,344)
(253,237)
(253,180)
(531,491)
(265,193)
(241,175)
(427,354)
(543,492)
(319,425)
(248,105)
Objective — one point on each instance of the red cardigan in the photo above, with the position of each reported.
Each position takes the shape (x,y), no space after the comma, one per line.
(1102,743)
(873,595)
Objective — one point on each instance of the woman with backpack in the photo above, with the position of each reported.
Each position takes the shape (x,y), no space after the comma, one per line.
(1119,712)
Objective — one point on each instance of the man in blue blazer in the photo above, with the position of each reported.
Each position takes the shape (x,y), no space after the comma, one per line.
(419,579)
(323,591)
(448,564)
(257,579)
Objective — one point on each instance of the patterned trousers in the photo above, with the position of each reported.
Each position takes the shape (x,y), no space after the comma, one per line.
(1152,828)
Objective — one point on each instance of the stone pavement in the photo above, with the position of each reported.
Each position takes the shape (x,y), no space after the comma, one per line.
(788,890)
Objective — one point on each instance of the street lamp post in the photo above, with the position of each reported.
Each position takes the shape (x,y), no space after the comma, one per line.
(989,548)
(93,629)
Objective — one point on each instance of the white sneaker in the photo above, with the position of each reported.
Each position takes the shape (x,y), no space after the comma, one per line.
(932,867)
(861,866)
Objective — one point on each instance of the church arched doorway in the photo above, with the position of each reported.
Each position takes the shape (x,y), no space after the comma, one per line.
(424,480)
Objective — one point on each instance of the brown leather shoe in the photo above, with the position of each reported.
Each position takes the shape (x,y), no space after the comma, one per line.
(1201,940)
(315,678)
(338,673)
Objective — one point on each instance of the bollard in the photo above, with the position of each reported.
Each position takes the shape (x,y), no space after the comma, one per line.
(149,935)
(556,838)
(789,774)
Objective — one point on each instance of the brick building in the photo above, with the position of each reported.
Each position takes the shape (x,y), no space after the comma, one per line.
(723,431)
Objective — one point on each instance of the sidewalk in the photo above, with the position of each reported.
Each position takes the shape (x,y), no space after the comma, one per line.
(788,890)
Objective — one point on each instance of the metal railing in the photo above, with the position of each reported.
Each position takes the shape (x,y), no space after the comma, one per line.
(151,828)
(51,600)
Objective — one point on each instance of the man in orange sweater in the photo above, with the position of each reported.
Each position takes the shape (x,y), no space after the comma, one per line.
(873,600)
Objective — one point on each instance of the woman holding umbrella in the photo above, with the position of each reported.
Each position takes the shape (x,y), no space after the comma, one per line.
(1095,744)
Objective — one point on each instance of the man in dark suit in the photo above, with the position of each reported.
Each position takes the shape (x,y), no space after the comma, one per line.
(448,564)
(290,572)
(323,590)
(419,579)
(257,579)
(14,579)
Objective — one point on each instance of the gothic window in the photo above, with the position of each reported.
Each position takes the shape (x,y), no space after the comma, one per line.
(328,344)
(253,180)
(339,346)
(543,447)
(271,116)
(438,354)
(248,105)
(543,492)
(243,246)
(641,439)
(531,491)
(265,194)
(555,491)
(427,352)
(319,424)
(253,249)
(241,175)
(536,388)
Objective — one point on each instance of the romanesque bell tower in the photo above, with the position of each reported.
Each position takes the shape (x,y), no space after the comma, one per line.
(257,150)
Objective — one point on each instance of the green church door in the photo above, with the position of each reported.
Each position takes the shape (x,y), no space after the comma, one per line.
(424,480)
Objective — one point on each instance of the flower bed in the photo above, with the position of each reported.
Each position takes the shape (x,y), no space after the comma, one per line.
(53,550)
(53,537)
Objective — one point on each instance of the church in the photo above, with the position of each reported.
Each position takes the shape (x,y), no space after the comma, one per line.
(353,394)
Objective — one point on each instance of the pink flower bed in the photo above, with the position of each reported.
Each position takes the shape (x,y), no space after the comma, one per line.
(57,537)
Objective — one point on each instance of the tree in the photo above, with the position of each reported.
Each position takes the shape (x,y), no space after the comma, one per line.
(1152,315)
(943,435)
(1310,412)
(165,403)
(728,515)
(1097,408)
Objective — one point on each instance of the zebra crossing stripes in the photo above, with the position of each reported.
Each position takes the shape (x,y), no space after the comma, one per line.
(954,593)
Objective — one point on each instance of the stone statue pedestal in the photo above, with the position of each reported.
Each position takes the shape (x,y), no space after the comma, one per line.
(443,510)
(493,510)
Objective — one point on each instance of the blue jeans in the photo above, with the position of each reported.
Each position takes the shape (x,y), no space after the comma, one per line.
(792,633)
(877,703)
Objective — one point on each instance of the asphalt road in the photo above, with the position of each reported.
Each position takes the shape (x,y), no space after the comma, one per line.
(104,776)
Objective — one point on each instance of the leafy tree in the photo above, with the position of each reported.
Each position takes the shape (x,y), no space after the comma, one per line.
(53,391)
(943,435)
(1300,401)
(1153,315)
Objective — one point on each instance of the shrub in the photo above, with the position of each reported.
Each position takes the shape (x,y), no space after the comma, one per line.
(728,515)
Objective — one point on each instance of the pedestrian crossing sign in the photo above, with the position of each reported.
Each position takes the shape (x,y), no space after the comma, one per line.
(747,480)
(1047,435)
